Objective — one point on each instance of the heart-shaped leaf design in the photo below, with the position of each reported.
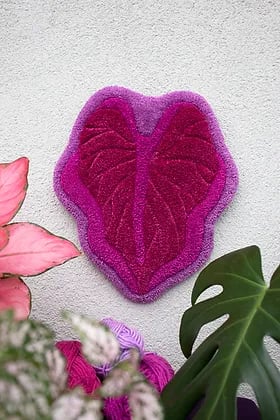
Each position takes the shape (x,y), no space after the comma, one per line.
(13,185)
(235,353)
(14,294)
(32,250)
(146,186)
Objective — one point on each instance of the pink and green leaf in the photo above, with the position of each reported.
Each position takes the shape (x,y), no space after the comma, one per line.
(32,250)
(13,185)
(15,295)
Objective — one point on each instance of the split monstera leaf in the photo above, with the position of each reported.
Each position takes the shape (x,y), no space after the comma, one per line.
(235,353)
(26,249)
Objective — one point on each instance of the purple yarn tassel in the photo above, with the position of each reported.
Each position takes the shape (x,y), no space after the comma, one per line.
(128,338)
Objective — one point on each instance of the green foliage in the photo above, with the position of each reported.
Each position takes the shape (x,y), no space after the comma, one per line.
(235,352)
(25,389)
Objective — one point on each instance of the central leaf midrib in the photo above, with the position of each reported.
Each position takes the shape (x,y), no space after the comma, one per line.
(13,254)
(237,348)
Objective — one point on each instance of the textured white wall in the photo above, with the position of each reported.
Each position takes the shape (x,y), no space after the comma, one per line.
(55,54)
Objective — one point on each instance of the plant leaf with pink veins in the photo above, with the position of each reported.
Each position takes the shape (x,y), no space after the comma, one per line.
(14,294)
(32,250)
(13,185)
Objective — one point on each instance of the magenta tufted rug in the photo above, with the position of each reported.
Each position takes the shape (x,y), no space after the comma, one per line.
(145,179)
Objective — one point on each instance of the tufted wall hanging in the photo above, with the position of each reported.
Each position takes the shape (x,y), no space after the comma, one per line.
(146,178)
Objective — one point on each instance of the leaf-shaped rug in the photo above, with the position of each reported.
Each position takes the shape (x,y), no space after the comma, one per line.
(145,179)
(235,353)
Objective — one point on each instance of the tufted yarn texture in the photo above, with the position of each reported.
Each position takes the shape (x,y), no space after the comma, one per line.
(127,337)
(80,372)
(146,178)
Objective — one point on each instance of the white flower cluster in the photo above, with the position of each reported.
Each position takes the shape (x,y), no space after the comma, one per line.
(23,391)
(33,378)
(57,372)
(144,402)
(75,406)
(100,346)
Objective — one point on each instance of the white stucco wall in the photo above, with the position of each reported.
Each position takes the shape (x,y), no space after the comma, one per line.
(55,54)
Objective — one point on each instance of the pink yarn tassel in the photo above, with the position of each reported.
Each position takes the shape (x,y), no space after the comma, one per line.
(80,372)
(156,370)
(127,337)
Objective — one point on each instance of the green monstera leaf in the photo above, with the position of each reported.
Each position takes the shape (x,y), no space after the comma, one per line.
(235,353)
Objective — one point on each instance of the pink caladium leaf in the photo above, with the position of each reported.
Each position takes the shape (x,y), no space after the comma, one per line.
(32,250)
(15,295)
(13,185)
(146,178)
(3,237)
